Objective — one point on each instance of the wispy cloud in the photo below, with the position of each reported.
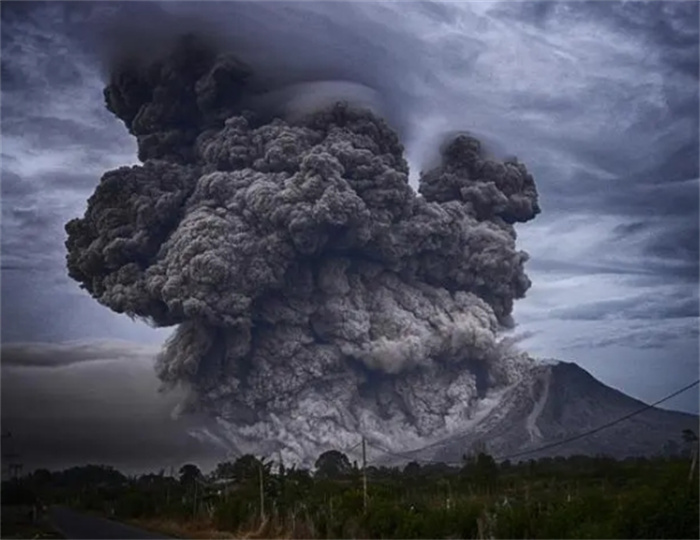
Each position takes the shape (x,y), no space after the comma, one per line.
(56,355)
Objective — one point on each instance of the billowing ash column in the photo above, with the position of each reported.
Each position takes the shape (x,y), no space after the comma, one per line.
(315,294)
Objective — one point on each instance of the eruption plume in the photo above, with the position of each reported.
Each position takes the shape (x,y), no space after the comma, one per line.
(315,293)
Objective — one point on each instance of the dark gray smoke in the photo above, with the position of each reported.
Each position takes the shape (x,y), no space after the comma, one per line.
(315,294)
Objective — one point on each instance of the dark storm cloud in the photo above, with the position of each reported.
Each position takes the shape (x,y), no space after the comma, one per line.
(605,183)
(671,245)
(644,338)
(598,99)
(681,244)
(627,268)
(296,261)
(665,23)
(352,41)
(64,354)
(63,133)
(32,238)
(668,196)
(104,398)
(43,306)
(671,307)
(12,185)
(79,182)
(337,52)
(652,168)
(44,137)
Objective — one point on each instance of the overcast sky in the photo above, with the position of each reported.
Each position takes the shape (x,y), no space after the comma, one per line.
(599,100)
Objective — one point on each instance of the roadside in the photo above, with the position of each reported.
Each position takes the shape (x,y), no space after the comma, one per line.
(194,530)
(78,525)
(24,521)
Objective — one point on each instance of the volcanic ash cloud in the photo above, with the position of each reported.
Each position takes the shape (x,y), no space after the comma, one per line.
(315,294)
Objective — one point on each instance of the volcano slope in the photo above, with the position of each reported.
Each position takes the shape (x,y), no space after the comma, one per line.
(552,403)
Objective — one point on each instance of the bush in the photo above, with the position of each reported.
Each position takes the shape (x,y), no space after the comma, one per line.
(15,493)
(236,511)
(134,504)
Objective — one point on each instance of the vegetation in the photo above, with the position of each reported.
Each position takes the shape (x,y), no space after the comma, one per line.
(576,497)
(21,516)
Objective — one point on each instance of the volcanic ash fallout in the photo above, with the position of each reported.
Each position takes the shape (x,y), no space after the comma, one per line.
(314,293)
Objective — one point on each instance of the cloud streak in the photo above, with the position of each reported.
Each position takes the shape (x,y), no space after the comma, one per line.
(56,355)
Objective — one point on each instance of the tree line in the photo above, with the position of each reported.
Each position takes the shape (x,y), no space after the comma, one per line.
(574,497)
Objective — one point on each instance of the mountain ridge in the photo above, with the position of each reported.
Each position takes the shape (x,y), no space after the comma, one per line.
(555,402)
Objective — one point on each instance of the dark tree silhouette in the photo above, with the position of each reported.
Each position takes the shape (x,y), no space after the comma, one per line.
(412,469)
(247,468)
(332,464)
(189,473)
(225,469)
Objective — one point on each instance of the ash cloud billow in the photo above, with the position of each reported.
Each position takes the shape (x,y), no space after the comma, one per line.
(315,294)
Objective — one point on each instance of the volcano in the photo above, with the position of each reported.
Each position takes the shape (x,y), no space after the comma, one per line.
(548,405)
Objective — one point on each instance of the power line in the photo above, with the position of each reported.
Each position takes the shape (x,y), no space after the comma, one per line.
(547,446)
(400,454)
(604,426)
(409,456)
(353,446)
(364,474)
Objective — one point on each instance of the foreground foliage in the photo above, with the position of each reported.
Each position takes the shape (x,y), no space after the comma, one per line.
(23,521)
(577,497)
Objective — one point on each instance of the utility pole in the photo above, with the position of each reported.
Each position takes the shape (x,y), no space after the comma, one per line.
(15,470)
(282,487)
(169,479)
(262,494)
(281,468)
(693,461)
(14,467)
(690,437)
(167,487)
(194,504)
(364,473)
(6,454)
